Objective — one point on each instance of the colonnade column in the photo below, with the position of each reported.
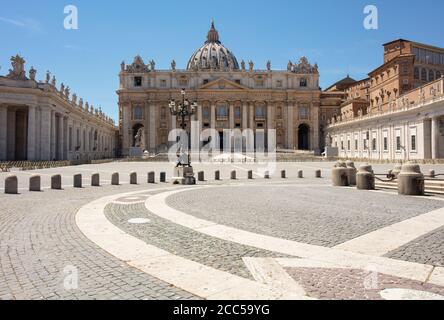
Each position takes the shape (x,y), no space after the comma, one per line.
(31,133)
(45,134)
(435,138)
(3,134)
(60,134)
(53,136)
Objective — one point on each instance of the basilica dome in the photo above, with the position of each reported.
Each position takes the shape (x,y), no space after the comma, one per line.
(213,55)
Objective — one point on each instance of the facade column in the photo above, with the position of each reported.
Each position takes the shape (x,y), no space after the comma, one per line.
(290,126)
(11,134)
(245,116)
(252,126)
(45,134)
(3,132)
(126,141)
(199,117)
(153,128)
(270,116)
(31,133)
(315,121)
(435,138)
(231,114)
(213,115)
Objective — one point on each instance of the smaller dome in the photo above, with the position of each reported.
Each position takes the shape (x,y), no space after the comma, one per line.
(213,55)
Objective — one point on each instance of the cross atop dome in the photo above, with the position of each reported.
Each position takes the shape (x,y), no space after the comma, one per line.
(213,35)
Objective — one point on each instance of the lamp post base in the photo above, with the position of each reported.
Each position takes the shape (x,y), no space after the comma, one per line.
(184,175)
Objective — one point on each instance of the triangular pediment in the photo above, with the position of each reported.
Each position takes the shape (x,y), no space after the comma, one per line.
(222,84)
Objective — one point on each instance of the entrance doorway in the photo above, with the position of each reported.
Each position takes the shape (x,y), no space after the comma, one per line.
(303,137)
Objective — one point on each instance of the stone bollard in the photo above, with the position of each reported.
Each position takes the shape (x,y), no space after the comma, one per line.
(95,180)
(11,185)
(411,180)
(233,175)
(365,178)
(115,179)
(250,174)
(300,174)
(35,183)
(351,173)
(318,174)
(397,170)
(339,175)
(217,175)
(56,182)
(267,175)
(201,176)
(151,177)
(432,174)
(77,181)
(283,174)
(163,177)
(133,178)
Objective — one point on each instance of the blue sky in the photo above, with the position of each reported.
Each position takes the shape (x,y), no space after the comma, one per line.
(330,33)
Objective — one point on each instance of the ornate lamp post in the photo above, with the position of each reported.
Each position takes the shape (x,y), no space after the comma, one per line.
(183,109)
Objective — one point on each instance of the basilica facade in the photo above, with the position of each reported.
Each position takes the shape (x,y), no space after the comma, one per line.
(230,94)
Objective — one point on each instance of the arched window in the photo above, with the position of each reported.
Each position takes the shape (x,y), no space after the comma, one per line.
(431,75)
(222,112)
(416,73)
(423,75)
(137,112)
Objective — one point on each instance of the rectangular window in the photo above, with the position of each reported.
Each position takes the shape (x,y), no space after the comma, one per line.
(356,144)
(137,81)
(303,82)
(374,141)
(237,112)
(279,83)
(348,145)
(163,83)
(206,113)
(385,138)
(237,81)
(413,139)
(303,113)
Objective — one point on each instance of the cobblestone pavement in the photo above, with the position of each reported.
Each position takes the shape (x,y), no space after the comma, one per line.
(40,242)
(353,284)
(39,239)
(216,253)
(428,249)
(312,213)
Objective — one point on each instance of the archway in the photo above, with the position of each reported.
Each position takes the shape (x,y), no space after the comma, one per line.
(304,137)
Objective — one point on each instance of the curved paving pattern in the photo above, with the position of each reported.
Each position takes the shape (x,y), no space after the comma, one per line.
(39,238)
(216,253)
(295,212)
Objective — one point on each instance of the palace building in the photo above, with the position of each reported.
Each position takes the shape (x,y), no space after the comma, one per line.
(230,94)
(39,122)
(397,113)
